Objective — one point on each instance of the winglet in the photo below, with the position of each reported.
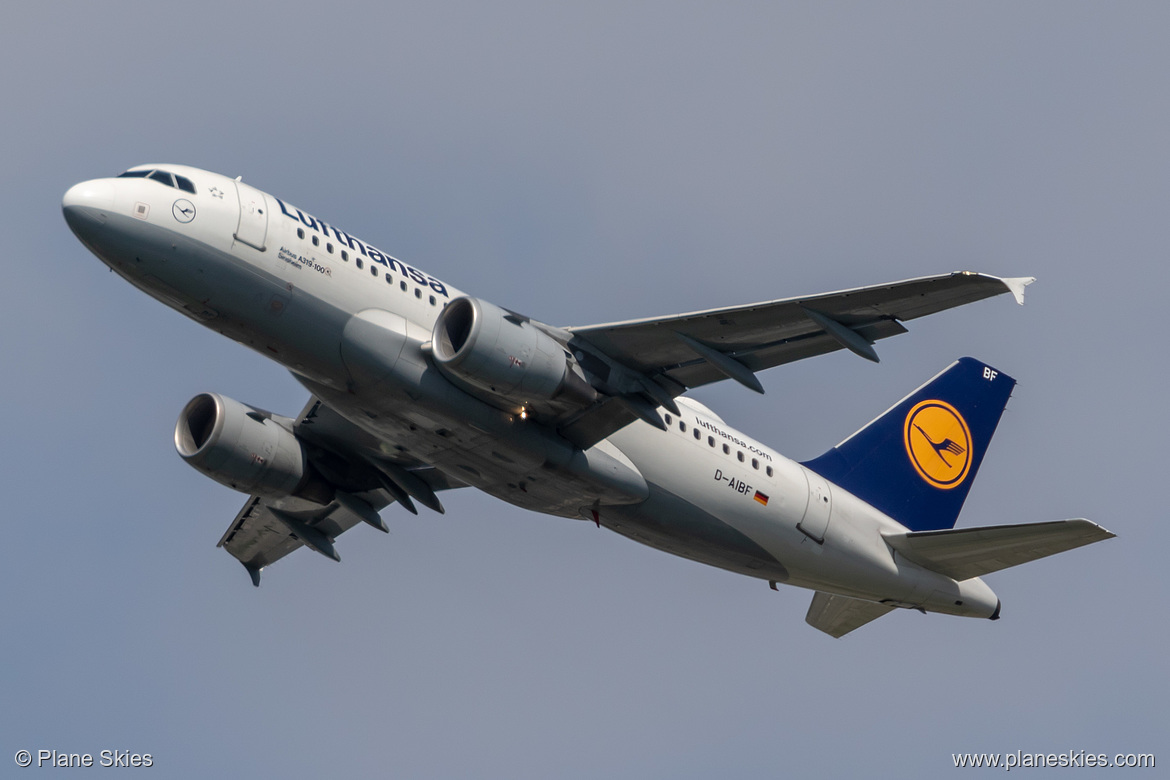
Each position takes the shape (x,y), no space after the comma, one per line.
(1016,285)
(254,573)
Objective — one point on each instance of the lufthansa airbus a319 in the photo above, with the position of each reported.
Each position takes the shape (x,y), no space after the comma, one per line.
(417,388)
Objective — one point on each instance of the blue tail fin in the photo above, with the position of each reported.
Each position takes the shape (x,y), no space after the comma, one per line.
(917,461)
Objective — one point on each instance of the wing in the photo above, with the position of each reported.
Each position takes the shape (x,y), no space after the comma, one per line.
(668,355)
(266,530)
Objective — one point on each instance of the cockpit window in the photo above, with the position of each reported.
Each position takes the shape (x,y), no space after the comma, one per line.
(162,177)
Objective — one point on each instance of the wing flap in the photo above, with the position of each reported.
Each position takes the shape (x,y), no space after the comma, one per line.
(838,615)
(963,553)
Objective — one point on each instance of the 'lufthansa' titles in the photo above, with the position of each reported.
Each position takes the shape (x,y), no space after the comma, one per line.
(375,255)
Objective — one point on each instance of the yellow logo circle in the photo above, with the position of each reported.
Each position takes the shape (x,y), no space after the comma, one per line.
(938,442)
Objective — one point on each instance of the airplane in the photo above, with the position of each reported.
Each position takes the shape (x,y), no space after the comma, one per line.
(418,388)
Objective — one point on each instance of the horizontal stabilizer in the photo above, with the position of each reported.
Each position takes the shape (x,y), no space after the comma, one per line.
(963,553)
(838,615)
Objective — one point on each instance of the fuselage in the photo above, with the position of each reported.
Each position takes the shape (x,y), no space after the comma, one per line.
(354,326)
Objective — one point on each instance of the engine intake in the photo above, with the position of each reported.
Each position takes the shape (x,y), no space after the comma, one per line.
(246,450)
(479,344)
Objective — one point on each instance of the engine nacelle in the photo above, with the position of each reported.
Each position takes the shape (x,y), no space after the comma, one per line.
(246,450)
(479,344)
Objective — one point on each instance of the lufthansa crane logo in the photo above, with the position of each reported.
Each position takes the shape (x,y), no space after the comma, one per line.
(938,442)
(184,210)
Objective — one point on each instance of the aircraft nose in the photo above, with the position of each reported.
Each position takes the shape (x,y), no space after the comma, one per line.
(86,205)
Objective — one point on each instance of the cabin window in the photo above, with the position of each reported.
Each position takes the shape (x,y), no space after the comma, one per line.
(726,450)
(389,279)
(417,293)
(739,454)
(432,300)
(358,260)
(373,270)
(345,255)
(682,426)
(669,420)
(402,286)
(768,470)
(755,464)
(300,232)
(710,441)
(316,241)
(698,434)
(329,248)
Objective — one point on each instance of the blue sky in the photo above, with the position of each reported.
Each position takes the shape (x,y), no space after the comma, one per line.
(589,165)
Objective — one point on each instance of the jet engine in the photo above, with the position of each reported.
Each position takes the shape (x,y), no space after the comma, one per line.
(247,449)
(477,343)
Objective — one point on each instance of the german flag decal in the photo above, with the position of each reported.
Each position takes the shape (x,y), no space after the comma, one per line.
(763,499)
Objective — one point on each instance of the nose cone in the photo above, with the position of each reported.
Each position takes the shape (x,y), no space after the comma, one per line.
(87,205)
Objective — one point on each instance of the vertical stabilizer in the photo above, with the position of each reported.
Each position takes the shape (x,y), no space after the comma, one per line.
(917,461)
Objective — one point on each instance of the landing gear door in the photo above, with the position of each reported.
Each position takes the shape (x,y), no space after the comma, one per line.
(820,506)
(253,227)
